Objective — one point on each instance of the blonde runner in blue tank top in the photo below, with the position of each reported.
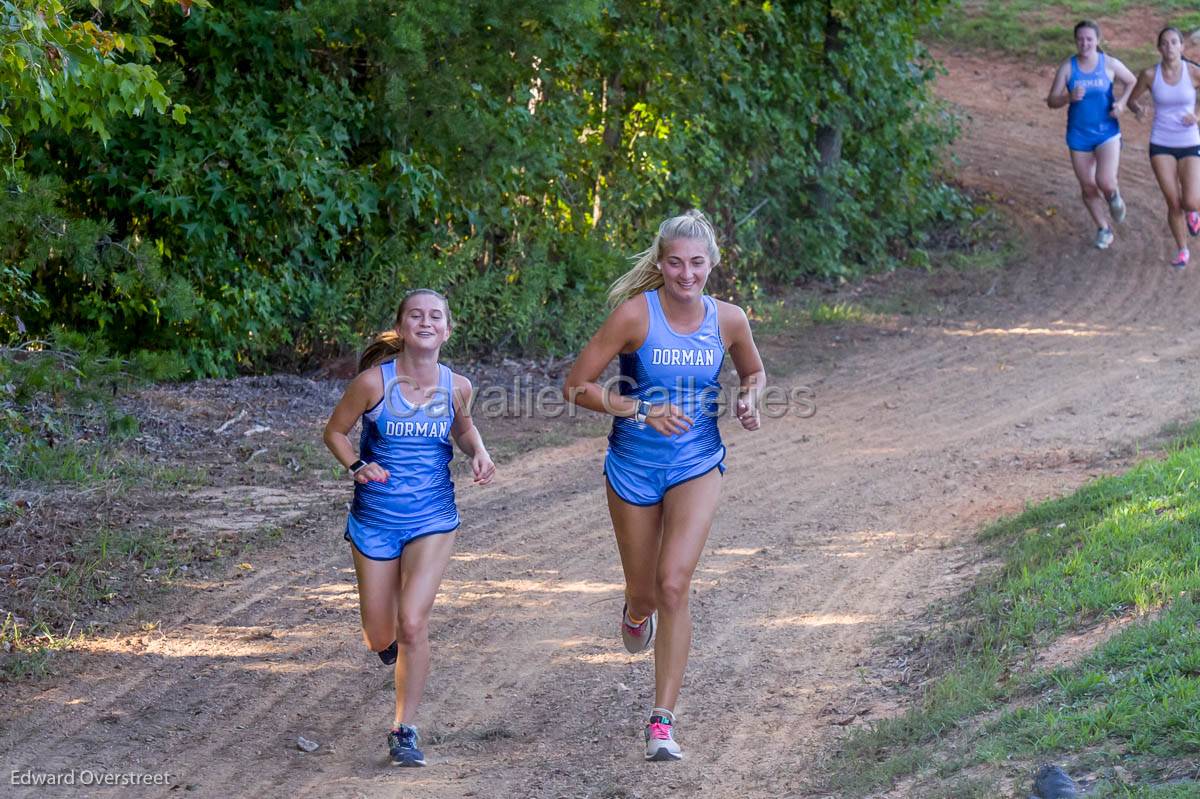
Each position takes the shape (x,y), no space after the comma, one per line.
(680,368)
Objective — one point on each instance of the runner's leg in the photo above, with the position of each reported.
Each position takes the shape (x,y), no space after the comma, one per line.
(422,564)
(638,530)
(1108,160)
(378,583)
(1167,174)
(688,511)
(1084,165)
(1189,178)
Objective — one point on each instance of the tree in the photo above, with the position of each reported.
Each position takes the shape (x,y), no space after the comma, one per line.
(60,69)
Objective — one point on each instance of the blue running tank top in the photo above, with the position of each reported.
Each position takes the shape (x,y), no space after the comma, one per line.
(1088,121)
(677,368)
(413,443)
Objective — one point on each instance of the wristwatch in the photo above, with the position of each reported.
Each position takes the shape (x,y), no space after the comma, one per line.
(354,467)
(643,410)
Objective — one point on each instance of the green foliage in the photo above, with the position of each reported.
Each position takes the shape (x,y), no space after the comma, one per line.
(56,398)
(339,152)
(60,67)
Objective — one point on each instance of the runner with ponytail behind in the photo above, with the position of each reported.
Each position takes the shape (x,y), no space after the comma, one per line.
(1174,136)
(665,457)
(402,521)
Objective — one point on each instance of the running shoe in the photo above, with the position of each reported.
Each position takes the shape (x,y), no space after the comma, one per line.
(1104,237)
(1116,207)
(636,636)
(660,737)
(402,745)
(1181,260)
(388,656)
(1193,223)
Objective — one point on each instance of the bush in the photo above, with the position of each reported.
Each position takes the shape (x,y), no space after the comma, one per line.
(339,152)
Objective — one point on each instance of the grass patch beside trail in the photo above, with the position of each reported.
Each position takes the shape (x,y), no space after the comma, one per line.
(1124,719)
(58,419)
(1042,31)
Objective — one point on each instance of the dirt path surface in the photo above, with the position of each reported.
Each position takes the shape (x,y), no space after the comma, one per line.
(833,534)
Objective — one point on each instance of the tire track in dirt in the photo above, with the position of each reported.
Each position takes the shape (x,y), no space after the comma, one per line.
(834,533)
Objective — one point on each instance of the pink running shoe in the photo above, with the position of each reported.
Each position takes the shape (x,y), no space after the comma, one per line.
(1181,260)
(636,637)
(1193,223)
(660,736)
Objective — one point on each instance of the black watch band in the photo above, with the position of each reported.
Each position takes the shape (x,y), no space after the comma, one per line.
(354,467)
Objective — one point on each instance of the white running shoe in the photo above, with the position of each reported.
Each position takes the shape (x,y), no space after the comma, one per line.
(1104,237)
(660,736)
(1116,207)
(636,637)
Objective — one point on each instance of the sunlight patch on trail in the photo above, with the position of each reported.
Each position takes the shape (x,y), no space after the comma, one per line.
(820,620)
(1029,331)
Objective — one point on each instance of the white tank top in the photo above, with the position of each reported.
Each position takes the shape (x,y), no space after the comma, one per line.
(1171,103)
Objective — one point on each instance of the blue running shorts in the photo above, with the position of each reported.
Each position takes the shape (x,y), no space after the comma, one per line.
(1085,142)
(646,485)
(384,543)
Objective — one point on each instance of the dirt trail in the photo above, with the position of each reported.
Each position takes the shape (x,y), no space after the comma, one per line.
(834,533)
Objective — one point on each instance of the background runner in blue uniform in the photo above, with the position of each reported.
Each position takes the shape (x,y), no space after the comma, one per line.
(402,522)
(1084,82)
(665,456)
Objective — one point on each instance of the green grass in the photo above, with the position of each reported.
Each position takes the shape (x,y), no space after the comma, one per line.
(823,313)
(1120,546)
(27,651)
(1043,31)
(99,462)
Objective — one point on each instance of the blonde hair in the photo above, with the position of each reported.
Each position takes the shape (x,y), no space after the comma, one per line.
(645,274)
(389,343)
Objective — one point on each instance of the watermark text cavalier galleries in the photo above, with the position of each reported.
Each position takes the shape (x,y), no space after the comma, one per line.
(519,400)
(89,777)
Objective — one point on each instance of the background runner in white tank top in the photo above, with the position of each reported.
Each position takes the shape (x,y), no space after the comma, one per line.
(1172,103)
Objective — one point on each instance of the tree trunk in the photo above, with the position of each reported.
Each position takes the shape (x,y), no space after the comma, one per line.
(612,101)
(829,136)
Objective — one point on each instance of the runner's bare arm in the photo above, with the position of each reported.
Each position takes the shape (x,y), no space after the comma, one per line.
(1144,81)
(1122,74)
(1058,96)
(466,434)
(735,329)
(625,329)
(1193,73)
(361,395)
